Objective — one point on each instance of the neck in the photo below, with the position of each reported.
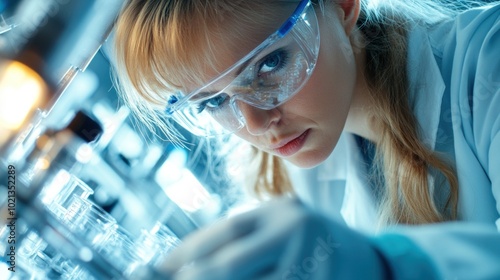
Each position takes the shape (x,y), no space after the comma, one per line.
(360,119)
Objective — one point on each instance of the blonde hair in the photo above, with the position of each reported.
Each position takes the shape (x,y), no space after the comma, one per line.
(402,161)
(155,55)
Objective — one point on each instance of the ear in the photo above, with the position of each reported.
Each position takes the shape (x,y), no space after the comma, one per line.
(350,13)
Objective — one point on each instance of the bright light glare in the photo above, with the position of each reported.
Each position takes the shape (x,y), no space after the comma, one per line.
(21,90)
(84,153)
(55,187)
(86,254)
(187,192)
(179,184)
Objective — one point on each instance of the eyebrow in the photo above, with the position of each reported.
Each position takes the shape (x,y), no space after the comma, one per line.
(245,64)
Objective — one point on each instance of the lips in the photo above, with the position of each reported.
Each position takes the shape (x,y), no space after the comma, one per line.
(292,145)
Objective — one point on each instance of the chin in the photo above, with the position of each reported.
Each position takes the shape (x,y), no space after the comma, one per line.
(309,159)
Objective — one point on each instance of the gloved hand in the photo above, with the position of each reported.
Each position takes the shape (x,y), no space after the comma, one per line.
(280,240)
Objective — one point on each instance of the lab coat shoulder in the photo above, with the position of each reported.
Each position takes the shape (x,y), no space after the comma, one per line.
(469,50)
(483,59)
(471,69)
(484,113)
(475,80)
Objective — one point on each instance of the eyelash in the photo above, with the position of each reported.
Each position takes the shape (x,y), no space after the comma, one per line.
(203,105)
(283,61)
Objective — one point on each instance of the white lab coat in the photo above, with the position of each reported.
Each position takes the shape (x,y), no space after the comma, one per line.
(455,80)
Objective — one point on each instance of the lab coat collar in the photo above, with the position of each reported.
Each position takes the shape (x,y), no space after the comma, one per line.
(426,84)
(346,163)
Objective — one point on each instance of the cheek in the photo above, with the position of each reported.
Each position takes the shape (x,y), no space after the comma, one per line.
(326,98)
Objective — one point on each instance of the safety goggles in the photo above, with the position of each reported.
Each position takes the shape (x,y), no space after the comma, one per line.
(265,78)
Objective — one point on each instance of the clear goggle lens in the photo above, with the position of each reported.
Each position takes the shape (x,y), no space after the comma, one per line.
(275,71)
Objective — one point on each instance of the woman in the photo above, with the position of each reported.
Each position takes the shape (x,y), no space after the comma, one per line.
(388,110)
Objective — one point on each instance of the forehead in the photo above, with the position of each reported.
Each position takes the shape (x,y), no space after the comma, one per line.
(234,38)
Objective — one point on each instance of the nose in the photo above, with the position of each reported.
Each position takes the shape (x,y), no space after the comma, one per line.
(258,121)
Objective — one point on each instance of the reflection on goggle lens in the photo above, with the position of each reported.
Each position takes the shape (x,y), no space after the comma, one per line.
(276,70)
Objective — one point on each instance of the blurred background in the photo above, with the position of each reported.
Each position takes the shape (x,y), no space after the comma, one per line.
(85,192)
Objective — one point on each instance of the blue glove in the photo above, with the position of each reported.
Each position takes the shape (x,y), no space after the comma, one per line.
(280,240)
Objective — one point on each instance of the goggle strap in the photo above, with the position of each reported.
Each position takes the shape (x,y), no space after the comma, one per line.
(285,28)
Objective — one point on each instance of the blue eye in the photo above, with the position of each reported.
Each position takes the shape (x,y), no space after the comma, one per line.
(213,103)
(273,62)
